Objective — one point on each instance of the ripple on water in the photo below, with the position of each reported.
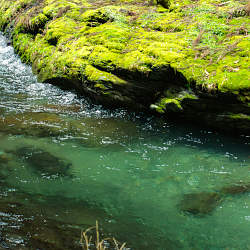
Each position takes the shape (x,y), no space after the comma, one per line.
(154,184)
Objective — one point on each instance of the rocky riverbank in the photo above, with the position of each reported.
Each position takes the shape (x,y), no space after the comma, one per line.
(184,59)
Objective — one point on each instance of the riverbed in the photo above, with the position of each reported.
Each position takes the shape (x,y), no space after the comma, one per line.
(155,184)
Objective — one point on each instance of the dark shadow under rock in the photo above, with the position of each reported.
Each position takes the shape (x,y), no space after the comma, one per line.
(200,203)
(44,162)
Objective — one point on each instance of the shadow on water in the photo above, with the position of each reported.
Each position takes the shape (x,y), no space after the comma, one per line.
(65,163)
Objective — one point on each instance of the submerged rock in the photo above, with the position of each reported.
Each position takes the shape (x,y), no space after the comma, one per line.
(27,223)
(103,132)
(205,202)
(62,108)
(44,162)
(33,123)
(93,132)
(2,110)
(4,158)
(239,188)
(200,203)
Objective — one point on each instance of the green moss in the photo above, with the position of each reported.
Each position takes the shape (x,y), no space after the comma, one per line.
(102,15)
(57,30)
(39,21)
(103,79)
(170,22)
(172,99)
(240,117)
(9,9)
(188,46)
(95,17)
(23,44)
(168,105)
(107,38)
(27,24)
(71,8)
(103,58)
(111,35)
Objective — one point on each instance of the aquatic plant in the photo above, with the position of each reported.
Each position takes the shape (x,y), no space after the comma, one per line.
(87,242)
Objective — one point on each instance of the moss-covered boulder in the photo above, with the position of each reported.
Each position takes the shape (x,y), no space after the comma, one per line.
(176,58)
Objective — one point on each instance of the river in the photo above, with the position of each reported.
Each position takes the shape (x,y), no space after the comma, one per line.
(155,184)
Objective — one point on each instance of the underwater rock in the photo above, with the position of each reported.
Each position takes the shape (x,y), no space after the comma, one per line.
(112,147)
(39,124)
(102,132)
(4,158)
(2,110)
(34,228)
(200,203)
(45,124)
(20,96)
(205,202)
(111,127)
(238,188)
(44,162)
(62,108)
(5,169)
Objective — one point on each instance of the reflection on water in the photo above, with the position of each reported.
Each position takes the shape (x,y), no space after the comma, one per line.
(65,163)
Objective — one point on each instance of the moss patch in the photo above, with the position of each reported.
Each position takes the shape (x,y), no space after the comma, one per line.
(139,49)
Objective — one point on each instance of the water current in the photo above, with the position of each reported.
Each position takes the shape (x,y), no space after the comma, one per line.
(65,163)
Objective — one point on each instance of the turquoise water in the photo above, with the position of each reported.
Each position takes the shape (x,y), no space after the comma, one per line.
(129,171)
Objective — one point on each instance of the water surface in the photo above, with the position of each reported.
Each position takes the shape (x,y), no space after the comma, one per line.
(131,172)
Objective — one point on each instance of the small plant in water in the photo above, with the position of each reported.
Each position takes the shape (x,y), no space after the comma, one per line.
(88,243)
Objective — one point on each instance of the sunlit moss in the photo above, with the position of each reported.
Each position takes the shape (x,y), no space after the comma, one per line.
(102,77)
(202,46)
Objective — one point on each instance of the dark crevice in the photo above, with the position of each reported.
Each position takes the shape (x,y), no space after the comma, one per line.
(53,41)
(157,79)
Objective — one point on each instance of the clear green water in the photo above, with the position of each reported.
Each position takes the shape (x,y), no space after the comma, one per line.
(128,171)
